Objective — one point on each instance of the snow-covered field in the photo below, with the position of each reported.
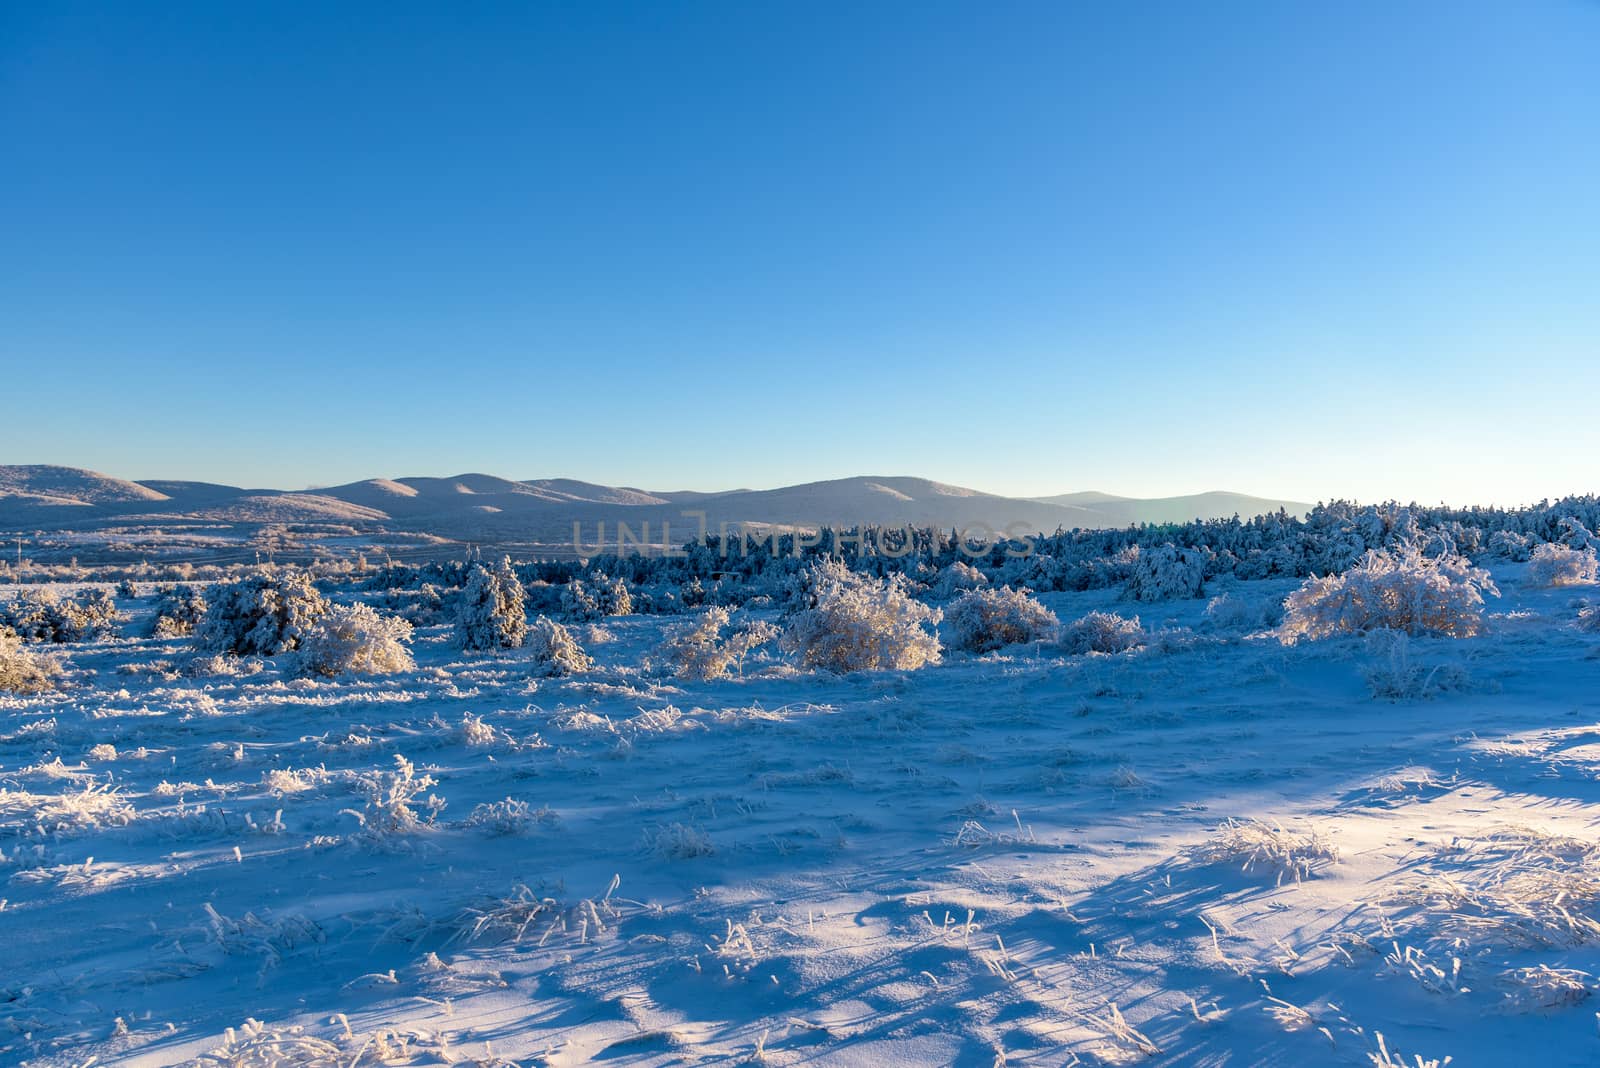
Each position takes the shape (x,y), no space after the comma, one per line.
(1216,849)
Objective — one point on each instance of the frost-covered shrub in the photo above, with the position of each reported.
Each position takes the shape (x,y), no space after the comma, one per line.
(1558,565)
(390,797)
(553,649)
(699,651)
(422,607)
(127,591)
(981,620)
(1101,632)
(578,602)
(1227,612)
(677,841)
(1040,572)
(490,614)
(1395,675)
(1268,848)
(45,616)
(861,623)
(1166,573)
(178,612)
(596,634)
(508,817)
(355,640)
(22,671)
(218,666)
(583,602)
(262,615)
(613,597)
(957,579)
(1395,589)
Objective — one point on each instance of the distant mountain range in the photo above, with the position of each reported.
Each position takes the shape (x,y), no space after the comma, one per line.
(485,508)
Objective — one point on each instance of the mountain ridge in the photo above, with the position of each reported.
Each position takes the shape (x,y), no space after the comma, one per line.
(480,506)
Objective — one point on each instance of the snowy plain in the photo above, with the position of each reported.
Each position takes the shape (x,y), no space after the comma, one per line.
(1016,858)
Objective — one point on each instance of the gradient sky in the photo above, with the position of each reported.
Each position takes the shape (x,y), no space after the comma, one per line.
(1298,250)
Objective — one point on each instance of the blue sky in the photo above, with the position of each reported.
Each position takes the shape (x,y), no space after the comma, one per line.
(1310,251)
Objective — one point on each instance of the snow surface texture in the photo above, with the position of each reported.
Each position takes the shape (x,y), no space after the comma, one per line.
(1209,848)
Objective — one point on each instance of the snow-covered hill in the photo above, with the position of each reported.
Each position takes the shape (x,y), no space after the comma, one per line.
(484,507)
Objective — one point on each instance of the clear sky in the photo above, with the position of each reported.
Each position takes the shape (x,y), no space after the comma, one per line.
(1296,249)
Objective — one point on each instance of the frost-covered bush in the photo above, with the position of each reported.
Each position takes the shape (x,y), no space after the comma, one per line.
(508,817)
(1394,589)
(421,607)
(677,841)
(355,640)
(127,591)
(218,666)
(861,623)
(390,797)
(957,579)
(262,615)
(699,651)
(1166,573)
(1395,675)
(613,596)
(1101,632)
(553,649)
(45,616)
(1558,565)
(981,620)
(1228,612)
(596,634)
(1267,848)
(179,611)
(22,671)
(490,614)
(578,602)
(1040,572)
(582,602)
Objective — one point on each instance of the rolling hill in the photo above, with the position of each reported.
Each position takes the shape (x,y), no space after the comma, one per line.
(487,508)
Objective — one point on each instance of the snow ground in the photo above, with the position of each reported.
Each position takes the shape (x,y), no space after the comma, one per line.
(1015,859)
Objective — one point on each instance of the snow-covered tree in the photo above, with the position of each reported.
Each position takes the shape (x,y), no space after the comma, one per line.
(1166,573)
(1510,545)
(698,650)
(262,615)
(1397,588)
(490,613)
(981,620)
(553,649)
(861,623)
(1101,632)
(1574,535)
(355,640)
